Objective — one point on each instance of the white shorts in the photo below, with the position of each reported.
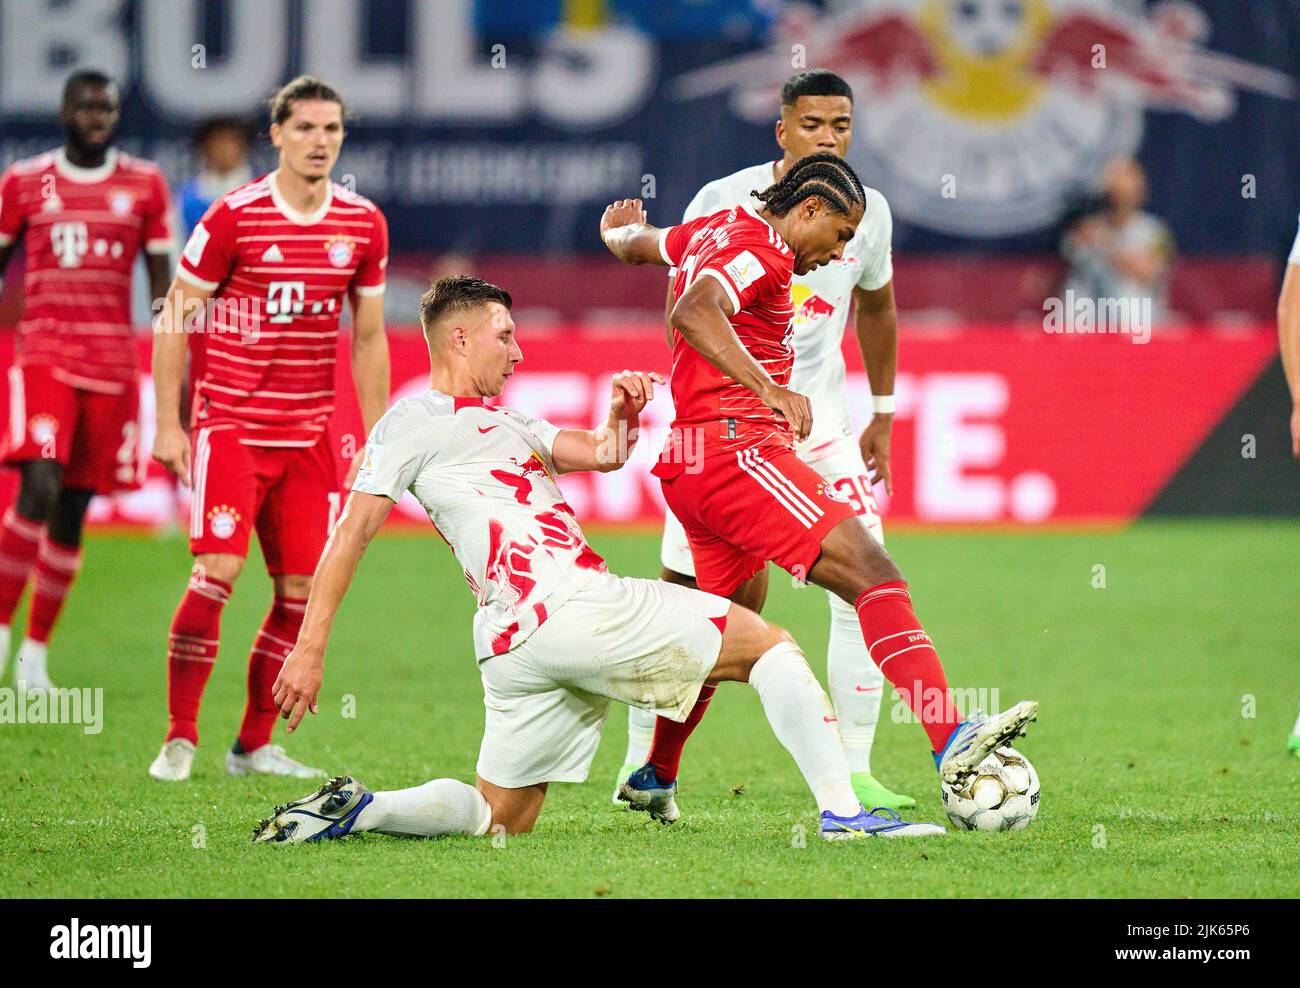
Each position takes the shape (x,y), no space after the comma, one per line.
(839,461)
(642,642)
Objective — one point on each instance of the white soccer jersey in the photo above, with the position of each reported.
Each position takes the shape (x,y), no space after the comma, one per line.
(487,480)
(1295,251)
(821,297)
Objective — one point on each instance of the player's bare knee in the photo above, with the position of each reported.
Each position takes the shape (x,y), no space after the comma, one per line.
(217,566)
(294,585)
(878,567)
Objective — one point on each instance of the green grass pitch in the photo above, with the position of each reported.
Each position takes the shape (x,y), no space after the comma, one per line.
(1167,697)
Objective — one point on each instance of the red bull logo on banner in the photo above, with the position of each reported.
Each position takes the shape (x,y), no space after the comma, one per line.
(980,117)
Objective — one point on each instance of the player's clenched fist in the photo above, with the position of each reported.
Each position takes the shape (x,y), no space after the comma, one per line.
(795,408)
(630,390)
(624,212)
(171,448)
(297,686)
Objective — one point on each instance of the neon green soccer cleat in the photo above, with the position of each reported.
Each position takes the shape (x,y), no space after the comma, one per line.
(873,793)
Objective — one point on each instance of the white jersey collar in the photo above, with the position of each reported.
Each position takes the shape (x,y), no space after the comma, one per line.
(75,173)
(293,215)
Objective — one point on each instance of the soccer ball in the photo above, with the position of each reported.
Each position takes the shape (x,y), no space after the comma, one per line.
(1001,795)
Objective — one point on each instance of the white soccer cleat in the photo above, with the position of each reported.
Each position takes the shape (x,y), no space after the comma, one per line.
(269,759)
(174,761)
(979,736)
(328,813)
(29,669)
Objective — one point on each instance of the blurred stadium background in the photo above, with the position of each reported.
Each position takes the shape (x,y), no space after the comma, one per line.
(492,133)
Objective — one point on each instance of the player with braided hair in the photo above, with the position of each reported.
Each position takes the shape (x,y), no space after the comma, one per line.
(815,129)
(743,496)
(822,175)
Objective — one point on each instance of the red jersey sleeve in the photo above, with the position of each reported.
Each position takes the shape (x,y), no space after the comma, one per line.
(208,257)
(158,236)
(11,216)
(369,279)
(674,240)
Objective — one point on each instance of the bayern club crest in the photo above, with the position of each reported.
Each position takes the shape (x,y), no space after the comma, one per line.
(121,203)
(984,117)
(832,493)
(340,251)
(222,521)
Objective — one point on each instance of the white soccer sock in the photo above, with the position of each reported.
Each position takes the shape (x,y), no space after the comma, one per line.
(856,684)
(640,735)
(802,718)
(443,806)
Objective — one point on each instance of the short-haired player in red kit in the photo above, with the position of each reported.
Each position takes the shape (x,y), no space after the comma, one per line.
(83,214)
(268,271)
(749,499)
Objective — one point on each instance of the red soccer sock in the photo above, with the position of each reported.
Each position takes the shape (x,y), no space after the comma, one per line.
(271,647)
(56,568)
(670,737)
(191,651)
(20,538)
(906,657)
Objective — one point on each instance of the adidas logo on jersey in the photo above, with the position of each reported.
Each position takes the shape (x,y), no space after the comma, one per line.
(273,253)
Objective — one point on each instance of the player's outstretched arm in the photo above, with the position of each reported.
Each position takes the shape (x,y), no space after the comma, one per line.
(703,316)
(608,446)
(628,235)
(1288,332)
(296,688)
(181,310)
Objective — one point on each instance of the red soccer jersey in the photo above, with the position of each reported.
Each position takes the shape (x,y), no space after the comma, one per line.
(82,229)
(280,278)
(754,265)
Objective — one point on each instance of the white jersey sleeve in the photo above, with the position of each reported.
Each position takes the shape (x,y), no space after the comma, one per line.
(401,444)
(1295,251)
(878,265)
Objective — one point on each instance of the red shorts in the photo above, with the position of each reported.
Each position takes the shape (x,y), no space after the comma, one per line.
(289,494)
(749,506)
(94,435)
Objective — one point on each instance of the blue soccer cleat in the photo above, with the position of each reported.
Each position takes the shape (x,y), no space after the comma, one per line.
(326,814)
(977,737)
(643,791)
(880,822)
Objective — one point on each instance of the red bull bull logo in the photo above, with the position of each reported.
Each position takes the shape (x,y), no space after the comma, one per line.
(808,305)
(986,114)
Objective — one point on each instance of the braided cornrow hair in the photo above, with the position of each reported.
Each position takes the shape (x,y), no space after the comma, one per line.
(825,175)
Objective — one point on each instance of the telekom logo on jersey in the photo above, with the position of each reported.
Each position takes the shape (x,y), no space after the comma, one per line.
(69,241)
(284,300)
